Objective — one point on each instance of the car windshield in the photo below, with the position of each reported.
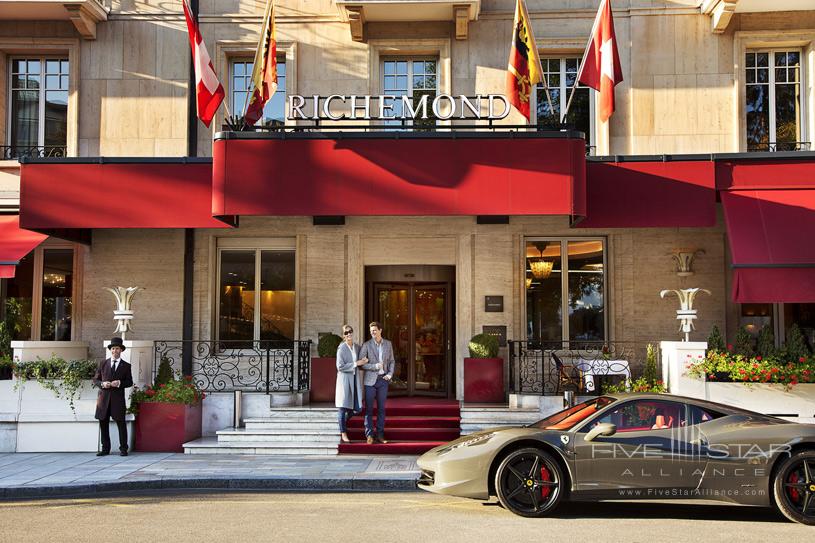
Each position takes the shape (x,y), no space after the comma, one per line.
(568,418)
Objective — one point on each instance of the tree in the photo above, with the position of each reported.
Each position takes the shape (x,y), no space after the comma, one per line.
(715,341)
(766,341)
(796,345)
(744,343)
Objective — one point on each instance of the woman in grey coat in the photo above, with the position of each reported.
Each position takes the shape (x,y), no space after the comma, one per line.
(349,391)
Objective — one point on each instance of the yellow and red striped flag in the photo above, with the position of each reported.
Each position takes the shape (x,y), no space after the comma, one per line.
(524,69)
(264,72)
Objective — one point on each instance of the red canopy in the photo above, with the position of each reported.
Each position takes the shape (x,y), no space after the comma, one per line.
(771,234)
(15,243)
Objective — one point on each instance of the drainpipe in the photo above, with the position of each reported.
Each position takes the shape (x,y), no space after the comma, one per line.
(189,233)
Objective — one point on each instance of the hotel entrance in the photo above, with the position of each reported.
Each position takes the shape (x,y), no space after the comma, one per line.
(415,306)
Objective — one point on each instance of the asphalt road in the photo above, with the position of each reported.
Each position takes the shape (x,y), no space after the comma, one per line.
(422,517)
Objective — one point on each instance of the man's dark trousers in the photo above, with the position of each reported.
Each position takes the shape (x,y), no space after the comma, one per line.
(104,429)
(379,391)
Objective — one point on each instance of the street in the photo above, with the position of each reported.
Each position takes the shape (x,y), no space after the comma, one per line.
(410,516)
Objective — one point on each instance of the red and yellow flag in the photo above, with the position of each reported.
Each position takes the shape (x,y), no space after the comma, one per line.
(524,68)
(264,72)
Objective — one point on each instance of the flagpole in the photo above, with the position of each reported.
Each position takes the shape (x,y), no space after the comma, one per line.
(582,61)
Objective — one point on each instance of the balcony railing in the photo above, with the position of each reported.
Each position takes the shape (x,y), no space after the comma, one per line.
(779,146)
(14,152)
(250,366)
(584,367)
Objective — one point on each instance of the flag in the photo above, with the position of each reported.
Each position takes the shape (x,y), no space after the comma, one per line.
(601,68)
(524,69)
(264,71)
(209,93)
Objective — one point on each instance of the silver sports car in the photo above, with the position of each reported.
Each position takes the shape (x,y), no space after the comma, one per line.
(633,446)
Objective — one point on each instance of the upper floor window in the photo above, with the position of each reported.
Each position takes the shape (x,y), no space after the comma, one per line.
(561,74)
(412,77)
(240,84)
(565,290)
(38,107)
(773,101)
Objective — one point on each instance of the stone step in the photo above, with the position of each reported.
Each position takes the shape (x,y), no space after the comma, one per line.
(210,445)
(284,425)
(273,436)
(298,412)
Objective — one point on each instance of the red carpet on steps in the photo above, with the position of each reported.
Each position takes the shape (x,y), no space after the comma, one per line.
(412,426)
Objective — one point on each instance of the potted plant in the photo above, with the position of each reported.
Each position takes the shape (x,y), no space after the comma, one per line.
(484,371)
(65,379)
(324,369)
(168,414)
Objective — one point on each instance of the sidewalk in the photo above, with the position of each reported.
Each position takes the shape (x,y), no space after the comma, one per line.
(37,475)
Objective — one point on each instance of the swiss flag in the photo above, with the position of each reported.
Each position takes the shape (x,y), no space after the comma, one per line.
(209,92)
(601,68)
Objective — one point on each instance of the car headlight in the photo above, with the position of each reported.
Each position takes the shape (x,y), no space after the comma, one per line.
(475,440)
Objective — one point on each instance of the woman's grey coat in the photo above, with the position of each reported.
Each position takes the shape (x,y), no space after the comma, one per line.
(347,379)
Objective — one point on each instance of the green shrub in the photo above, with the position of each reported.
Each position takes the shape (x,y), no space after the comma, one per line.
(61,377)
(796,346)
(165,372)
(328,345)
(744,343)
(715,341)
(483,346)
(765,346)
(185,391)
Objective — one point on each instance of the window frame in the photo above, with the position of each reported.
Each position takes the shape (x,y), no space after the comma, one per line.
(771,84)
(258,246)
(36,291)
(43,59)
(410,59)
(281,59)
(564,285)
(591,143)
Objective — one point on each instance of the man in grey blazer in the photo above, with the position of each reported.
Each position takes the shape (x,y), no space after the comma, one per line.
(378,374)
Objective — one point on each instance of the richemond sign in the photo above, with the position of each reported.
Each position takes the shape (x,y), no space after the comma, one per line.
(339,107)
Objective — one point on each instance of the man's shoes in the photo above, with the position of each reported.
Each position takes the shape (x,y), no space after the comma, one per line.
(103,453)
(370,440)
(381,439)
(123,453)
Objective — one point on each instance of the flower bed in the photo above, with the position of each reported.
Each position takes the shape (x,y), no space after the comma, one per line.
(725,366)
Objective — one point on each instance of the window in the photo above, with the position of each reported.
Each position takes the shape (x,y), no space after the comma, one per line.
(256,295)
(38,301)
(645,415)
(414,78)
(240,74)
(565,277)
(38,120)
(780,318)
(773,100)
(561,74)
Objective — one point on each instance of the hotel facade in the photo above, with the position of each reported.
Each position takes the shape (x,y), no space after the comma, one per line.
(439,228)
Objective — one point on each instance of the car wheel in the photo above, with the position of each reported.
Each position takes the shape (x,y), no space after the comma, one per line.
(529,482)
(794,487)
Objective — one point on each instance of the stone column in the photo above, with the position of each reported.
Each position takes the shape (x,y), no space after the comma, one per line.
(676,355)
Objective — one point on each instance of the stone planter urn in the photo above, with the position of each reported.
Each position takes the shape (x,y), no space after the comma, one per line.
(323,379)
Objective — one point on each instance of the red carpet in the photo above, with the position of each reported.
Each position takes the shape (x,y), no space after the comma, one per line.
(412,426)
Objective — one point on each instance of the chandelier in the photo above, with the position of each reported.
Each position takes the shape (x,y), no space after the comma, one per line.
(528,282)
(541,269)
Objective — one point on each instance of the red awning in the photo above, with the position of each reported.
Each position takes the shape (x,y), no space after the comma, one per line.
(15,243)
(117,193)
(771,235)
(358,174)
(643,194)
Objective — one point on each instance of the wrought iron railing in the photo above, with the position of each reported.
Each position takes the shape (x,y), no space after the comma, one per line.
(779,146)
(584,367)
(15,152)
(251,366)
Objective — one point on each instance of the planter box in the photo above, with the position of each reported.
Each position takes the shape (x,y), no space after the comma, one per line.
(165,427)
(770,399)
(37,400)
(484,380)
(719,377)
(323,379)
(29,351)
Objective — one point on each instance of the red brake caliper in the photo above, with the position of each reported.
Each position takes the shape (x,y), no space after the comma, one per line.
(794,494)
(545,476)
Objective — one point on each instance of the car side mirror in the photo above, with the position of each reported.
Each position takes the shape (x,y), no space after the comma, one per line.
(603,429)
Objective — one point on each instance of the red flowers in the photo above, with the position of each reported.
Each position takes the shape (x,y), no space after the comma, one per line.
(758,358)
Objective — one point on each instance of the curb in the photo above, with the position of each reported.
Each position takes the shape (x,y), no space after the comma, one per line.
(223,483)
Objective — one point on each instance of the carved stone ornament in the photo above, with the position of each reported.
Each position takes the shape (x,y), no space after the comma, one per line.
(123,314)
(686,314)
(684,260)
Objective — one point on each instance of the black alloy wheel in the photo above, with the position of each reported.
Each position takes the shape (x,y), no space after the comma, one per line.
(794,487)
(529,482)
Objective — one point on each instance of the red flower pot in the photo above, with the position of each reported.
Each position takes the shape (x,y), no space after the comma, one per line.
(165,427)
(323,379)
(484,380)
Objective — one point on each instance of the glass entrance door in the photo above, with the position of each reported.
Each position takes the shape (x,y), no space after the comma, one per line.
(416,317)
